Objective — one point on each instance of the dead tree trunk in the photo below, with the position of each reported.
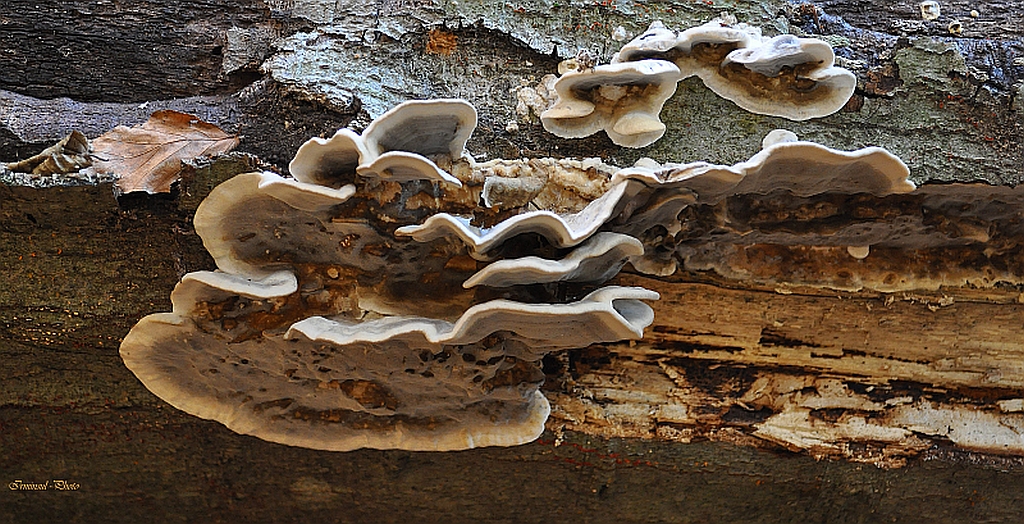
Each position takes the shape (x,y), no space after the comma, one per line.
(746,398)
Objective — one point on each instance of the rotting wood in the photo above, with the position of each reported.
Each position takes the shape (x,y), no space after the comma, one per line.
(80,270)
(727,363)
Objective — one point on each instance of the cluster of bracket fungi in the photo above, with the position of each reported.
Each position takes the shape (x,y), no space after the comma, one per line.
(398,294)
(784,76)
(337,320)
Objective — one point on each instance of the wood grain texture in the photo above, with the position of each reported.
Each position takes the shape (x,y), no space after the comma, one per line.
(721,361)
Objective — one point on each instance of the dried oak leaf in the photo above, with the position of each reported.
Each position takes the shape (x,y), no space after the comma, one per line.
(69,155)
(148,157)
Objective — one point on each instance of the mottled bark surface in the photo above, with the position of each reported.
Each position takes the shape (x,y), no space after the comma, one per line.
(671,429)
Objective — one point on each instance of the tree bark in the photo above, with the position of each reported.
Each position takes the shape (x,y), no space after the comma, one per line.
(743,400)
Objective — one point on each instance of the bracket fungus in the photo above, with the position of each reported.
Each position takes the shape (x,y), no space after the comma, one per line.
(561,230)
(622,99)
(358,306)
(785,76)
(333,324)
(599,258)
(401,145)
(801,214)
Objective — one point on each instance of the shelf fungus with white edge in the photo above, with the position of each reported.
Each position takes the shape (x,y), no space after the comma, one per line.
(622,99)
(325,328)
(401,145)
(801,214)
(785,76)
(399,309)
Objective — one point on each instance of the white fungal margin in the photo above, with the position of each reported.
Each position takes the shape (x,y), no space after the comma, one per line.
(784,76)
